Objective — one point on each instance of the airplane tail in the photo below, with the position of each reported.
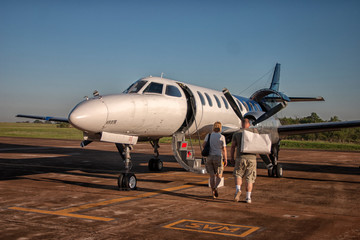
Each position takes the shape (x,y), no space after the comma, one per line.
(276,78)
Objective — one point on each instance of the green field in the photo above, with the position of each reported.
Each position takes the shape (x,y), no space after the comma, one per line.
(53,131)
(38,130)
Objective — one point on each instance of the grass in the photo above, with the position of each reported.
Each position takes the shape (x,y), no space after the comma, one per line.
(321,145)
(38,130)
(52,131)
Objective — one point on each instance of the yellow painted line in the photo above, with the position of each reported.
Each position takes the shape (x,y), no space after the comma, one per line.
(61,214)
(93,205)
(69,211)
(212,228)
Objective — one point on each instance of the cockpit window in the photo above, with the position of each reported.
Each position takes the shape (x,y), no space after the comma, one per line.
(154,88)
(172,91)
(135,87)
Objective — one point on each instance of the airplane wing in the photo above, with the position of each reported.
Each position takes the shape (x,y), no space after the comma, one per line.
(315,127)
(46,118)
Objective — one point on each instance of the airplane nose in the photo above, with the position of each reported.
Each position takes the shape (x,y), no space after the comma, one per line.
(89,115)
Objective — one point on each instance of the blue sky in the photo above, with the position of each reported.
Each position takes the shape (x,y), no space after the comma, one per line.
(55,52)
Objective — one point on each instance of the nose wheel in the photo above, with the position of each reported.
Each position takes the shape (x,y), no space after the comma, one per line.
(127,181)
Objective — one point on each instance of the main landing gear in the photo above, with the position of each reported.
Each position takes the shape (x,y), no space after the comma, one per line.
(155,164)
(274,168)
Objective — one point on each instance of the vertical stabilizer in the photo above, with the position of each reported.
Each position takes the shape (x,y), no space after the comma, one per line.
(276,78)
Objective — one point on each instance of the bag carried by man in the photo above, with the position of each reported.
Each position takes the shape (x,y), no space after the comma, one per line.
(206,151)
(255,143)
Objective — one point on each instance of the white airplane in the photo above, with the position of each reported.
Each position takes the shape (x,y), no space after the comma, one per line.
(155,107)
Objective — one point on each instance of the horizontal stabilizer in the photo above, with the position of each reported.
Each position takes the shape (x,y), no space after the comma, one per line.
(45,118)
(315,127)
(296,99)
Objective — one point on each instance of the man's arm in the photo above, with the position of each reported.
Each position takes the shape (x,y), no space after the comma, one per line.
(232,151)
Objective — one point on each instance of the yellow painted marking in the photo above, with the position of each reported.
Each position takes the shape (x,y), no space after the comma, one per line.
(69,211)
(213,228)
(62,214)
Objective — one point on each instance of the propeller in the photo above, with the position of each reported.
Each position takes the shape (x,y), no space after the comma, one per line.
(233,103)
(260,119)
(270,113)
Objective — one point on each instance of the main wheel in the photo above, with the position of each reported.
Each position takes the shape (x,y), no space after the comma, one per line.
(151,164)
(155,164)
(158,165)
(271,172)
(279,171)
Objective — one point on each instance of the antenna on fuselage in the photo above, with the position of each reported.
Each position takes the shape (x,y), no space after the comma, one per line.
(162,74)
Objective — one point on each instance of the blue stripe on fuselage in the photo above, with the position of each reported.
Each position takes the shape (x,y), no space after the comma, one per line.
(247,101)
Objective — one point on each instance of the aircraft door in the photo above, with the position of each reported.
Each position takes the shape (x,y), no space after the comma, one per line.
(191,109)
(183,150)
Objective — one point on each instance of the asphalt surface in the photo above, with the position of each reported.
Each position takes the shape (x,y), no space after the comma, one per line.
(54,189)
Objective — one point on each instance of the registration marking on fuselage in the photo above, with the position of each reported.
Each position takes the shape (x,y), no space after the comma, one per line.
(213,228)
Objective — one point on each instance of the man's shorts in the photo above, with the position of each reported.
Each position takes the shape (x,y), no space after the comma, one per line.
(214,165)
(245,165)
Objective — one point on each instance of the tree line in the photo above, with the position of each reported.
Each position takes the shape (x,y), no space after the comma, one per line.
(348,135)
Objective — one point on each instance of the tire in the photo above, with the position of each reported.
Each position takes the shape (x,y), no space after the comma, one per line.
(130,181)
(270,172)
(158,165)
(121,181)
(151,164)
(279,171)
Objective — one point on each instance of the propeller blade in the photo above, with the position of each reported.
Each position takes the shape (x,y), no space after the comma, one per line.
(270,113)
(233,103)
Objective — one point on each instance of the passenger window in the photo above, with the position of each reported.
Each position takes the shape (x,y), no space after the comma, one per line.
(217,101)
(225,102)
(209,99)
(240,105)
(250,106)
(135,87)
(154,88)
(201,98)
(245,105)
(172,91)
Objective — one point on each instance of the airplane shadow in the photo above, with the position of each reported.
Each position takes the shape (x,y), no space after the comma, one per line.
(72,161)
(104,164)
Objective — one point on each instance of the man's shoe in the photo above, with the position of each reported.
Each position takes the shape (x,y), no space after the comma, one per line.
(248,200)
(216,193)
(237,196)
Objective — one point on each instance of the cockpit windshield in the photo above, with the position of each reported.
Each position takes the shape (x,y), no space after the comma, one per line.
(136,86)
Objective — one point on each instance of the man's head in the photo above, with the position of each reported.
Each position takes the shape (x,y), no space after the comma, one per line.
(217,127)
(245,123)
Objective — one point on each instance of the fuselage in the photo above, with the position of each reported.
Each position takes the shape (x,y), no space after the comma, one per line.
(156,107)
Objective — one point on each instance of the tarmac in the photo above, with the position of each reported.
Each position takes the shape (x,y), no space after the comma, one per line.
(54,189)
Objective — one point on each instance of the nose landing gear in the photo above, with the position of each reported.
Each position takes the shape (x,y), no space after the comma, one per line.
(155,164)
(127,180)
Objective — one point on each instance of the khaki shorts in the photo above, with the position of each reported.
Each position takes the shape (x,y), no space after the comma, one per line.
(214,165)
(245,166)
